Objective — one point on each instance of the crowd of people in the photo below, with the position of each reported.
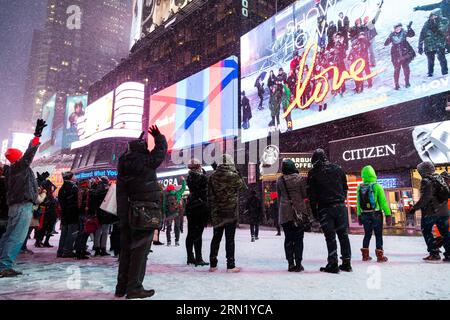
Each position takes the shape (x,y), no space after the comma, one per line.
(340,44)
(144,207)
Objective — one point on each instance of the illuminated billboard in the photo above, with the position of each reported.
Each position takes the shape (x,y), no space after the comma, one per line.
(48,114)
(97,117)
(20,140)
(116,115)
(157,12)
(75,109)
(200,108)
(136,22)
(319,61)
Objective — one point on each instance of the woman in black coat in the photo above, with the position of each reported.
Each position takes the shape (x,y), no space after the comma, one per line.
(402,53)
(255,212)
(48,208)
(197,212)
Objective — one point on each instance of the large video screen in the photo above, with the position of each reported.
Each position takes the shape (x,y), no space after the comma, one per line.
(97,117)
(322,60)
(75,109)
(157,12)
(48,114)
(136,22)
(200,108)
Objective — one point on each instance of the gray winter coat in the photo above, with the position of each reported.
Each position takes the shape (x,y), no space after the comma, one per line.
(22,184)
(297,190)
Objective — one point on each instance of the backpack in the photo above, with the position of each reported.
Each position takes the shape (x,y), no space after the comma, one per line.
(367,197)
(173,206)
(441,188)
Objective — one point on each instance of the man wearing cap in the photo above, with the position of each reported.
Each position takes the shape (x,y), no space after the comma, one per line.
(433,42)
(22,193)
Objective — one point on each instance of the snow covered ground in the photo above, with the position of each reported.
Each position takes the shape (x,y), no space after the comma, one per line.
(263,275)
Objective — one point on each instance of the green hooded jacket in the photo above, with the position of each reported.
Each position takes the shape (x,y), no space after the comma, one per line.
(370,177)
(178,194)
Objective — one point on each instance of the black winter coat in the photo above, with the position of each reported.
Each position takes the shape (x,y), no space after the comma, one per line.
(96,197)
(401,50)
(254,208)
(136,178)
(327,185)
(198,189)
(68,200)
(428,202)
(22,185)
(3,203)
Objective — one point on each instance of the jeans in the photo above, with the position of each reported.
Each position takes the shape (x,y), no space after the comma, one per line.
(169,223)
(12,240)
(230,231)
(441,58)
(293,242)
(101,236)
(334,220)
(373,223)
(442,224)
(69,233)
(194,237)
(254,230)
(82,238)
(134,248)
(24,245)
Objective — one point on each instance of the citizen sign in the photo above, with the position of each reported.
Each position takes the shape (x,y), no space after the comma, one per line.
(369,153)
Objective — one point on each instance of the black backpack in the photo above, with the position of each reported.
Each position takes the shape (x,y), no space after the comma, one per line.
(441,188)
(367,197)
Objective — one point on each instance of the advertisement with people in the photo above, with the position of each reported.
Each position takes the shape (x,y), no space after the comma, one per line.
(75,109)
(156,12)
(97,117)
(319,61)
(198,109)
(48,114)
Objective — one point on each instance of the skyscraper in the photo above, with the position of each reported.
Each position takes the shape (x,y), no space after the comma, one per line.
(82,41)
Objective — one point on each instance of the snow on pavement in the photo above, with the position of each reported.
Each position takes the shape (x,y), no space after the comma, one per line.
(263,276)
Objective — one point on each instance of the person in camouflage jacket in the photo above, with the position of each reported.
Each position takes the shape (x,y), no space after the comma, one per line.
(224,187)
(433,42)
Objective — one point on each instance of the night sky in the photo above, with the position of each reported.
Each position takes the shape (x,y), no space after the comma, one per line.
(18,19)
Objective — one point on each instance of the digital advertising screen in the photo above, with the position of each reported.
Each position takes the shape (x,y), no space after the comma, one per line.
(48,114)
(97,117)
(200,108)
(322,60)
(156,12)
(20,140)
(75,109)
(136,21)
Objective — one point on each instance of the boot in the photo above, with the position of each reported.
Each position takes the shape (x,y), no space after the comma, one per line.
(141,294)
(291,266)
(103,252)
(432,257)
(191,259)
(330,268)
(97,252)
(253,239)
(38,244)
(81,256)
(298,266)
(346,265)
(365,254)
(380,255)
(47,245)
(234,270)
(200,263)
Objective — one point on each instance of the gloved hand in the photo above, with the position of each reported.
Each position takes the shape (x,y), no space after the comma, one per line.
(420,50)
(40,125)
(389,221)
(410,24)
(154,131)
(360,220)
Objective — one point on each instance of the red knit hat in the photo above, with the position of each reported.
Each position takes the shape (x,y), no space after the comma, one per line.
(13,155)
(170,188)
